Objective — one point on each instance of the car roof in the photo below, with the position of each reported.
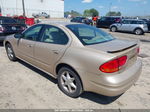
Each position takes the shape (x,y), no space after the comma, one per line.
(112,16)
(133,19)
(60,23)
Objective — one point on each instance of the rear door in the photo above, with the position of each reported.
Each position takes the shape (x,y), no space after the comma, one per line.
(50,47)
(26,44)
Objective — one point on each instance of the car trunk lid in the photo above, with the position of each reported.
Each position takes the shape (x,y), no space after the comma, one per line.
(119,48)
(114,46)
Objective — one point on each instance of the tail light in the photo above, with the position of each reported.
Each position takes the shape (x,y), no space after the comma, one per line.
(1,29)
(113,65)
(138,50)
(23,28)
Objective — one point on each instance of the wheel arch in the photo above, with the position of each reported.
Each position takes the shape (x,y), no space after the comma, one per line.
(113,26)
(138,28)
(60,65)
(7,42)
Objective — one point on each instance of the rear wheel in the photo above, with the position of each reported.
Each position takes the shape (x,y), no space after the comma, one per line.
(10,52)
(138,31)
(69,82)
(113,29)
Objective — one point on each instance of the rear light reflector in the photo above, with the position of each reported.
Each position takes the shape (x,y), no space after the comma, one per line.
(1,29)
(138,50)
(23,28)
(113,65)
(122,60)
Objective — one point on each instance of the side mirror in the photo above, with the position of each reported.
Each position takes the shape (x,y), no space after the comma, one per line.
(18,35)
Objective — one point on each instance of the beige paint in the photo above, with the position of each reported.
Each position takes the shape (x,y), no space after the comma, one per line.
(85,60)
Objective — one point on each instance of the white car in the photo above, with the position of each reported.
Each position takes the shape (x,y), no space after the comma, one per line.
(138,27)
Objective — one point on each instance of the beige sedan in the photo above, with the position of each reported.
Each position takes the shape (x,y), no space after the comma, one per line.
(81,57)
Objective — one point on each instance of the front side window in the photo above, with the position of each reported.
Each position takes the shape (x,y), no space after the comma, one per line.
(89,35)
(126,22)
(103,19)
(32,33)
(54,35)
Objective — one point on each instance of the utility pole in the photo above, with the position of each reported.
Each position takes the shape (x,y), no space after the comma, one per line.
(23,6)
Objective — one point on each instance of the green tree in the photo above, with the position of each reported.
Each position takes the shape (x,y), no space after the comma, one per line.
(113,13)
(73,13)
(87,13)
(94,12)
(90,12)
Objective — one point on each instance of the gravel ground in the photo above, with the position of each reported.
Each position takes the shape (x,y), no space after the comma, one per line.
(24,87)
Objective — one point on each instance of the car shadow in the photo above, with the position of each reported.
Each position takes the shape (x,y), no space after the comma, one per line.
(144,40)
(1,44)
(125,32)
(100,99)
(45,75)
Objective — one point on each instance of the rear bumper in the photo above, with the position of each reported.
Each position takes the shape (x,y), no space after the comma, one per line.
(2,38)
(113,85)
(145,30)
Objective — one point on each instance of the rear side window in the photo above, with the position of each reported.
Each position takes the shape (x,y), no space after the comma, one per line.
(137,22)
(54,35)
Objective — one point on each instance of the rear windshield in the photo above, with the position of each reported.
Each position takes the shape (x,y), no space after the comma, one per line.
(7,21)
(89,35)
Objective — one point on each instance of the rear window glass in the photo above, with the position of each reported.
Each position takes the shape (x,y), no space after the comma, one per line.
(8,21)
(89,35)
(137,22)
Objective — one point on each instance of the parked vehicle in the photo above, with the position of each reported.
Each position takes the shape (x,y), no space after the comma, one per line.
(81,57)
(107,21)
(148,23)
(138,27)
(8,26)
(42,14)
(82,20)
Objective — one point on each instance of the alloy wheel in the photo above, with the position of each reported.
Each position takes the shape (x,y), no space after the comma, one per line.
(10,52)
(138,32)
(113,29)
(68,82)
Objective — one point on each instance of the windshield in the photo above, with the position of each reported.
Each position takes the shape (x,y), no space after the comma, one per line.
(89,35)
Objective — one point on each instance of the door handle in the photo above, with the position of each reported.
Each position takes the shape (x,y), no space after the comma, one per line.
(29,45)
(55,51)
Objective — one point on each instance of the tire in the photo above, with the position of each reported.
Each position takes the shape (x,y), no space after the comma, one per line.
(10,52)
(138,31)
(69,82)
(113,29)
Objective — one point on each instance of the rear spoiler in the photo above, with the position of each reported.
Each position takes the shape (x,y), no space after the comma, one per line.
(122,49)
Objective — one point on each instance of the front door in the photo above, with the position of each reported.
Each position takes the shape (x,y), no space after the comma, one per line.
(125,25)
(26,44)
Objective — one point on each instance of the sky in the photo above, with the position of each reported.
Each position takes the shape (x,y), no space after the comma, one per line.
(126,7)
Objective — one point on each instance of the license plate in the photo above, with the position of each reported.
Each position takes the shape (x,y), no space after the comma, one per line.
(13,28)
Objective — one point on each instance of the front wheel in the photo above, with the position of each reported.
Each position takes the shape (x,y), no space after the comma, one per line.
(69,82)
(10,52)
(113,29)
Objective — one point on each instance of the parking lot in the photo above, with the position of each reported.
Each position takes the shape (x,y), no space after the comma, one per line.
(23,86)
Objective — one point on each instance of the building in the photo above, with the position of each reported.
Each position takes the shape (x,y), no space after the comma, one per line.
(54,8)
